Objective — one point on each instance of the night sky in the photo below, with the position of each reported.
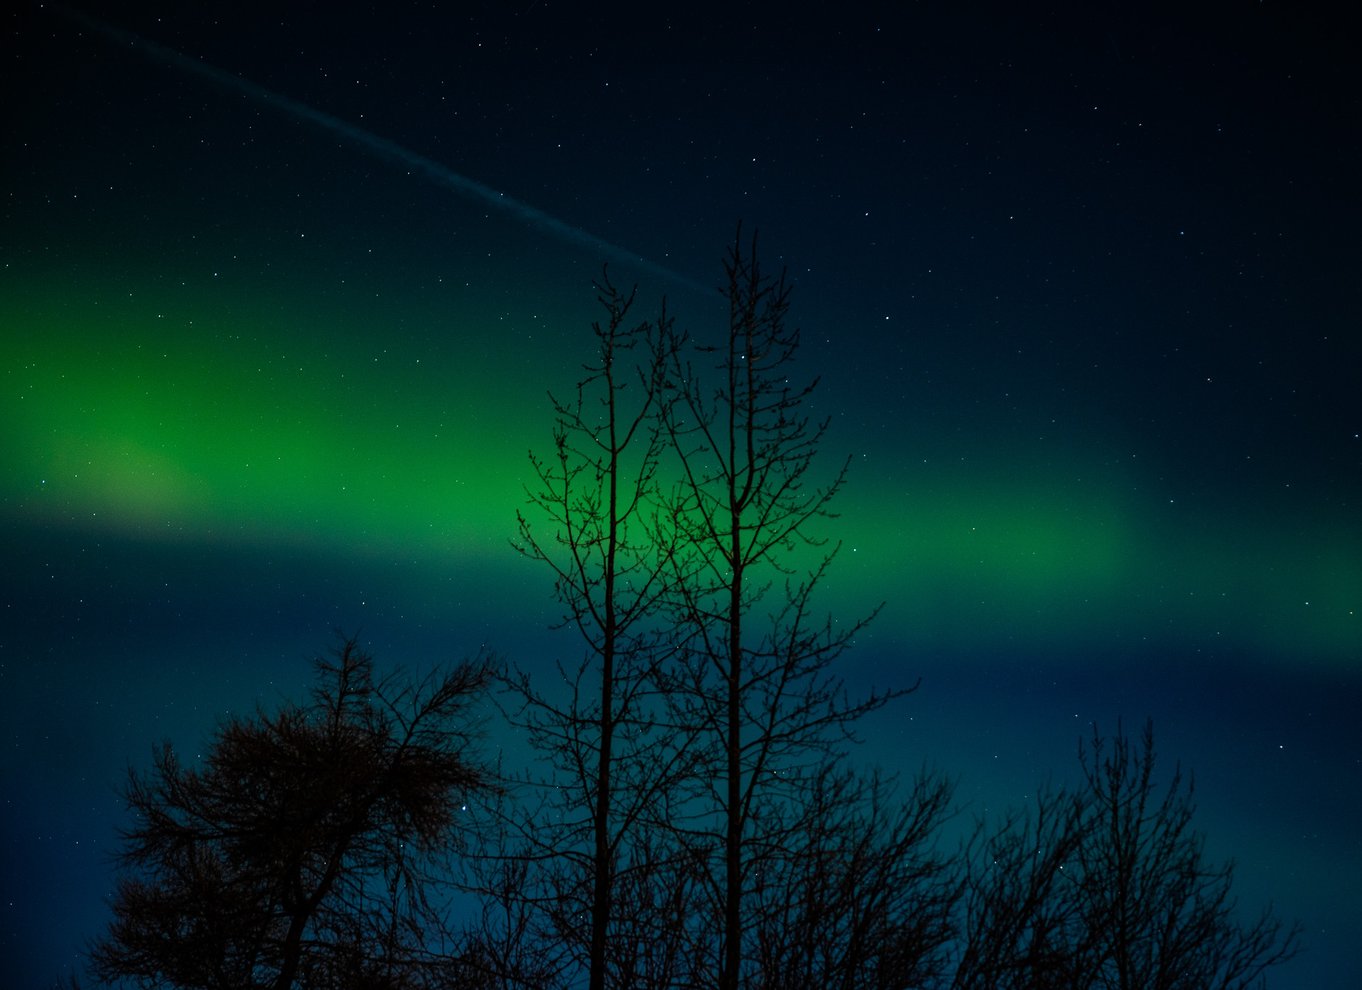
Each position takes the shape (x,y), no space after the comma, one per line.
(282,292)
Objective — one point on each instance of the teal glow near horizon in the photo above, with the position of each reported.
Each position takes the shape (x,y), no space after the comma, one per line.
(285,424)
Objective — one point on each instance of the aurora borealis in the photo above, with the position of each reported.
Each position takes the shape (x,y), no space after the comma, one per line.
(1079,288)
(166,420)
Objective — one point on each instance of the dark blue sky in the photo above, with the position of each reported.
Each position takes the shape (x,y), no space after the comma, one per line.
(1080,284)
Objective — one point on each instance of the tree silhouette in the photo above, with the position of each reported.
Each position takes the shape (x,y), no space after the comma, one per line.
(609,755)
(1020,926)
(685,753)
(761,697)
(1109,886)
(301,851)
(863,898)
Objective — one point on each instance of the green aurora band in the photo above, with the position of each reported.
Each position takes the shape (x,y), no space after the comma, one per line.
(284,425)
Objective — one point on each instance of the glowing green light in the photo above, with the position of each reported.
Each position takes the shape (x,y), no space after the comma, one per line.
(286,424)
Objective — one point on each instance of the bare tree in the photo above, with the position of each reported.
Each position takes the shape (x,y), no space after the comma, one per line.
(505,945)
(1163,916)
(302,851)
(1021,927)
(862,898)
(1109,886)
(757,689)
(610,563)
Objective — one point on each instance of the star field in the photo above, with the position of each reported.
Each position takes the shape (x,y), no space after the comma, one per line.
(1076,285)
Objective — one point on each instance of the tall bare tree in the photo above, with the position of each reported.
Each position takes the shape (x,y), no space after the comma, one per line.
(754,678)
(303,850)
(610,563)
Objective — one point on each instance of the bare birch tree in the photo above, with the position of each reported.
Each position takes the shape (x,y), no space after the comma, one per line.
(753,678)
(611,567)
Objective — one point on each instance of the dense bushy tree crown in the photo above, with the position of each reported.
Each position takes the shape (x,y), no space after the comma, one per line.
(300,853)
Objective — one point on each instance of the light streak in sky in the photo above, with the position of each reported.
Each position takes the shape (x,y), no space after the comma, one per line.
(381,148)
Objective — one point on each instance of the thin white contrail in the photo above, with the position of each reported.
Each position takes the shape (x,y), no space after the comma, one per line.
(381,148)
